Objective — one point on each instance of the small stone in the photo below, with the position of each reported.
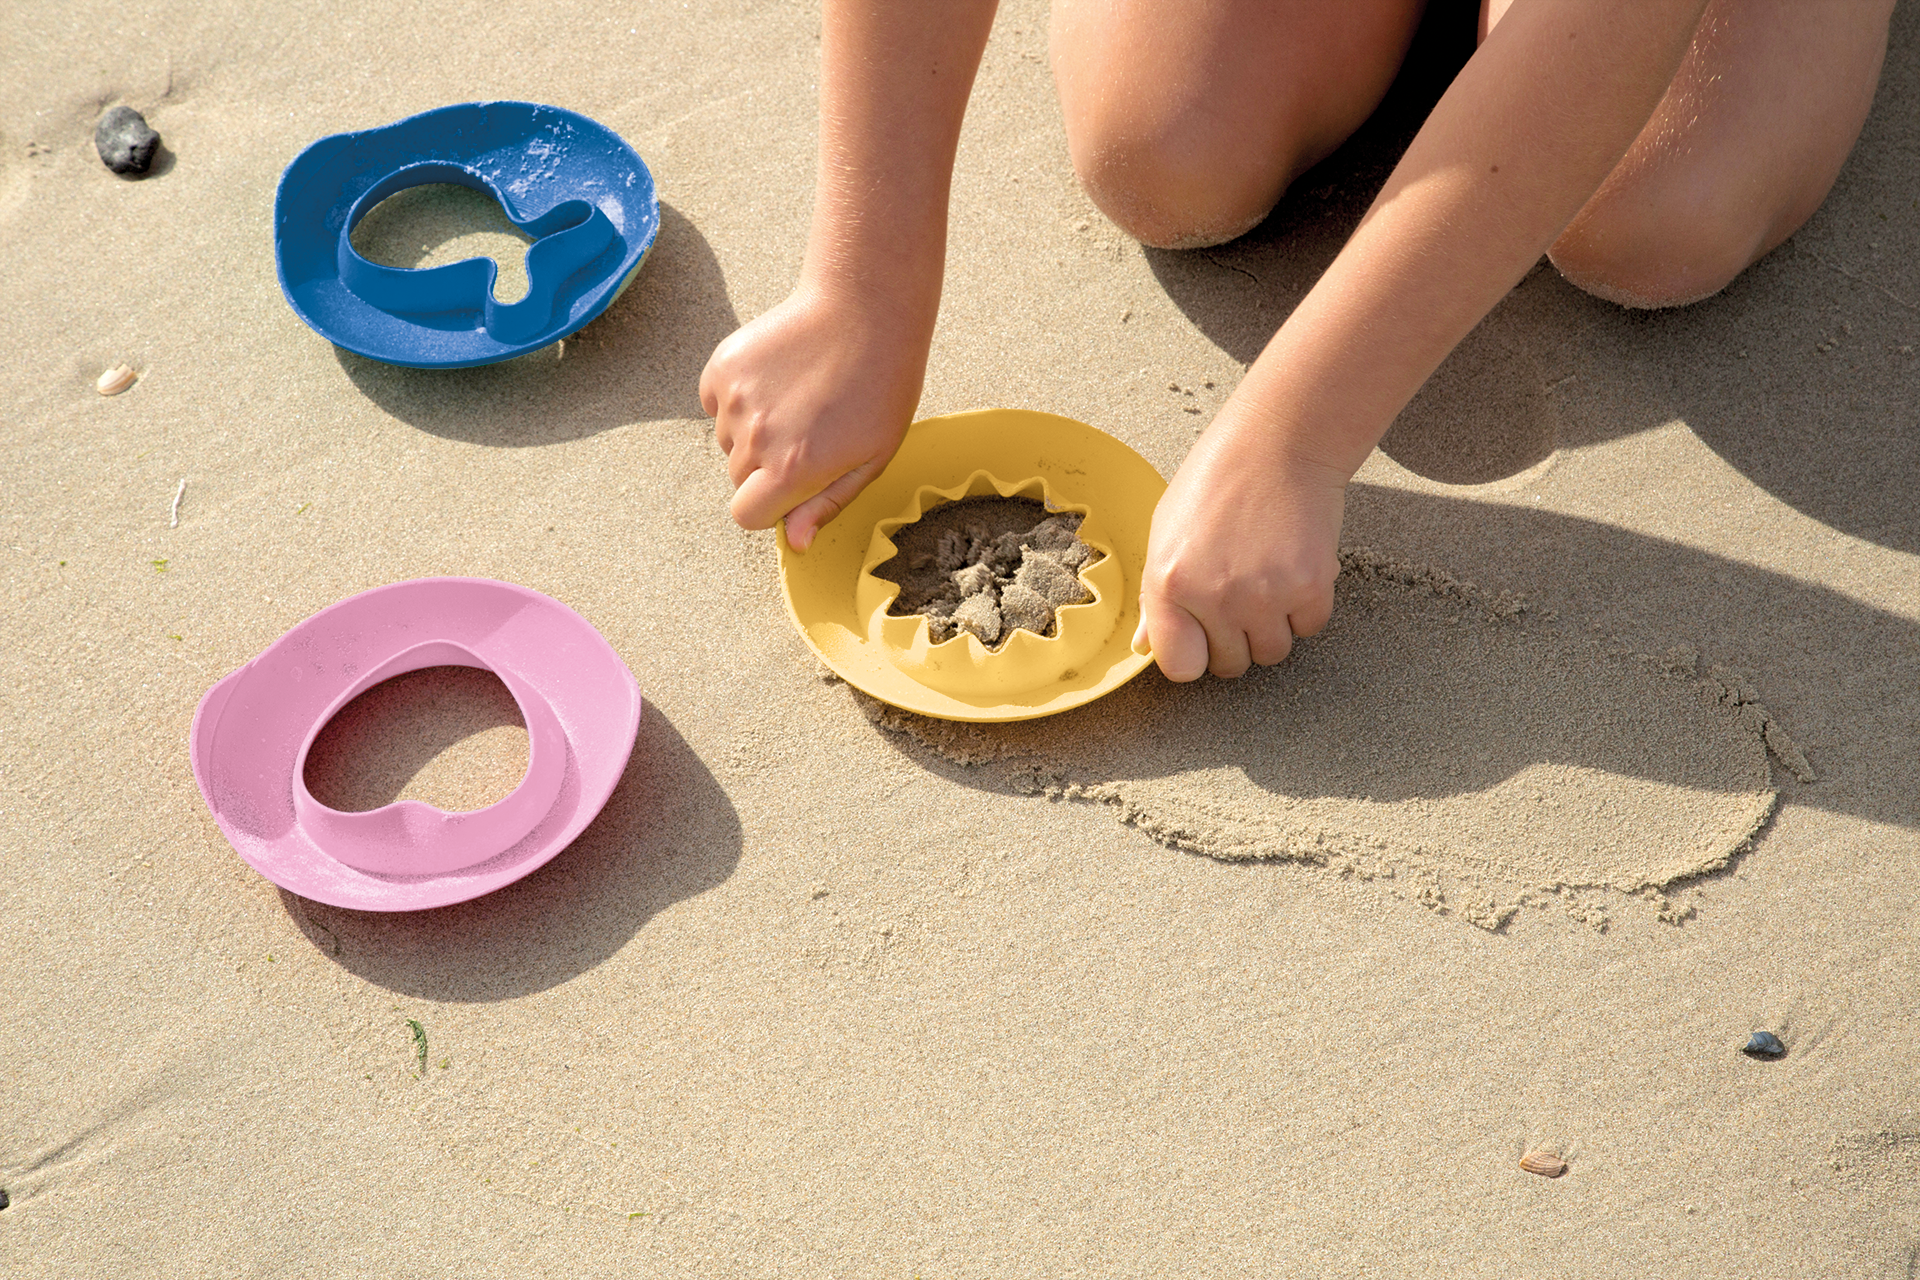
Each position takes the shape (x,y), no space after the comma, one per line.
(1022,606)
(5,1200)
(1764,1044)
(125,143)
(979,615)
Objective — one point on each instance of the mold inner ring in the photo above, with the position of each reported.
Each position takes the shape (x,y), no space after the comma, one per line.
(963,666)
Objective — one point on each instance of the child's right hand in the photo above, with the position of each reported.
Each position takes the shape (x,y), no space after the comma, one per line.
(1243,554)
(809,403)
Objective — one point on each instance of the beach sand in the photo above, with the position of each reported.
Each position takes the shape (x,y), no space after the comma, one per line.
(1607,760)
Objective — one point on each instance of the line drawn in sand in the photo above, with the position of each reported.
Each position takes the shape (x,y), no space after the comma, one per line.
(1431,740)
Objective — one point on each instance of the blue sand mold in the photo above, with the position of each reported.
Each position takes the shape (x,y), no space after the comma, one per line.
(574,185)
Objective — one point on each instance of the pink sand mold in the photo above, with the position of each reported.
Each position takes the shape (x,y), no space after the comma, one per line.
(254,728)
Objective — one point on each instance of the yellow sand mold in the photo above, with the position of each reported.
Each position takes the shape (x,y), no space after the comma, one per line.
(841,607)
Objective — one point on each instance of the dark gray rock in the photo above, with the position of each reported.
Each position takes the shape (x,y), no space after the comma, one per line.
(125,143)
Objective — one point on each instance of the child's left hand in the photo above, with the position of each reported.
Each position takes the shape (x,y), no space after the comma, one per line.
(1243,554)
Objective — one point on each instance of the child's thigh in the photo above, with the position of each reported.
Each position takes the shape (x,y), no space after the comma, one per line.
(1742,149)
(1187,119)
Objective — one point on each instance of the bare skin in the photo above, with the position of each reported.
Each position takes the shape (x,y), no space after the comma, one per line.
(1744,146)
(1560,132)
(810,400)
(1187,121)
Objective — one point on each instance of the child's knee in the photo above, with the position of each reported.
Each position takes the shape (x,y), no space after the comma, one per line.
(1175,184)
(1653,249)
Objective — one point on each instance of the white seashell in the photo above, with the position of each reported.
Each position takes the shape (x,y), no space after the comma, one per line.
(116,380)
(1544,1163)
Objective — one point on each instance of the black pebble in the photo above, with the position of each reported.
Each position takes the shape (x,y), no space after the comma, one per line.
(4,1201)
(125,143)
(1764,1044)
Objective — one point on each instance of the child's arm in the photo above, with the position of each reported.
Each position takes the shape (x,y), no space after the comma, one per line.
(1244,547)
(811,399)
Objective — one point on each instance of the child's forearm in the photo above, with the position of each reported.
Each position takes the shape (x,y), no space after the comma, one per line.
(894,83)
(1522,139)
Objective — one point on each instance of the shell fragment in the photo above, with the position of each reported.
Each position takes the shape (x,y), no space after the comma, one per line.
(1544,1163)
(116,380)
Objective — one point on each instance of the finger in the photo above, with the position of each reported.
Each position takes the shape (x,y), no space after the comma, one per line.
(723,434)
(742,461)
(1175,637)
(761,499)
(709,391)
(1270,642)
(713,376)
(805,520)
(1308,617)
(1227,651)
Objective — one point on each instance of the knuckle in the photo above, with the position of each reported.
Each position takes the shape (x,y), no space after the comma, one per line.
(1190,586)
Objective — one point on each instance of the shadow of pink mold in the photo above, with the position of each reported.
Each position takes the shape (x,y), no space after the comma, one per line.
(254,728)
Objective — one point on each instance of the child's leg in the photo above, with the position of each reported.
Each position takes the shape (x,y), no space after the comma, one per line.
(1186,119)
(1741,151)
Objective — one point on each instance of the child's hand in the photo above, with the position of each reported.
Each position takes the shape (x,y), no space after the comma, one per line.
(1244,551)
(809,403)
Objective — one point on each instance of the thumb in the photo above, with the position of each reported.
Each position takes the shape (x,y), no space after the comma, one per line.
(805,520)
(1175,638)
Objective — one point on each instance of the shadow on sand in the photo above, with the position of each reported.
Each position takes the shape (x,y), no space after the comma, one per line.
(1397,673)
(639,361)
(667,834)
